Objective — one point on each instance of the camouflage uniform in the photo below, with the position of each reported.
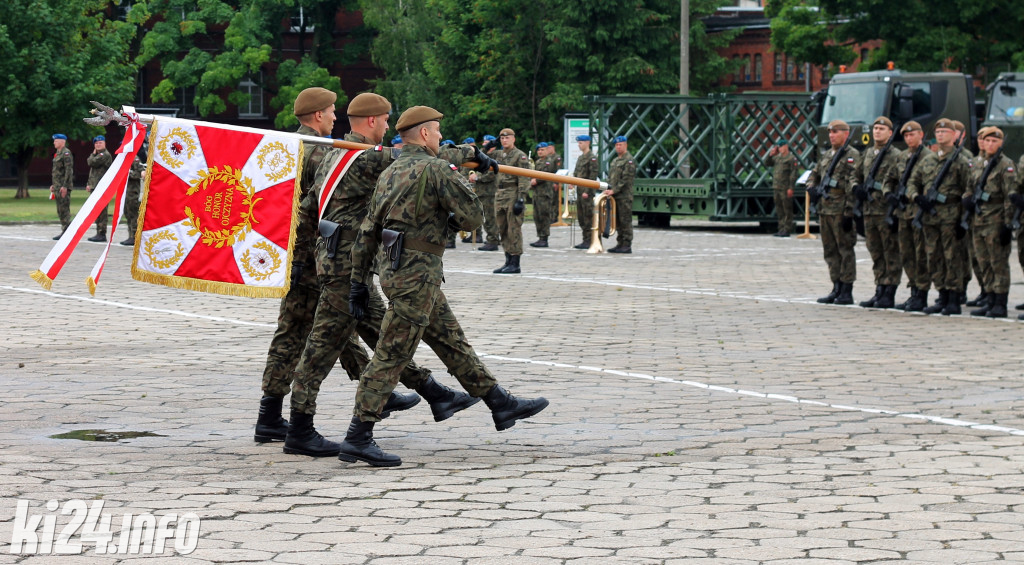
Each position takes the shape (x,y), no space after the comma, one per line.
(586,168)
(486,186)
(1020,231)
(418,308)
(133,192)
(785,171)
(834,210)
(882,243)
(98,165)
(295,317)
(994,257)
(945,252)
(911,241)
(621,173)
(510,188)
(63,174)
(545,196)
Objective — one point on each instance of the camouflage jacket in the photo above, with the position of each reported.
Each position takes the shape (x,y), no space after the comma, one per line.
(63,172)
(549,164)
(586,166)
(785,170)
(399,204)
(312,156)
(876,205)
(135,172)
(953,186)
(840,198)
(486,180)
(98,165)
(1002,180)
(895,175)
(512,158)
(621,173)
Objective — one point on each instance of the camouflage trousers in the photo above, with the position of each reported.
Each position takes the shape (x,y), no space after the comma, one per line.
(545,208)
(63,208)
(294,322)
(417,312)
(945,255)
(837,245)
(585,211)
(510,225)
(486,197)
(884,248)
(624,220)
(784,211)
(970,261)
(1020,247)
(131,206)
(101,220)
(913,256)
(992,257)
(332,329)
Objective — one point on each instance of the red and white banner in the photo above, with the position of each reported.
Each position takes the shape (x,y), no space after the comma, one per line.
(220,209)
(110,187)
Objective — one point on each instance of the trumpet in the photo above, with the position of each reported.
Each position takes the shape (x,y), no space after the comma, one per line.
(604,222)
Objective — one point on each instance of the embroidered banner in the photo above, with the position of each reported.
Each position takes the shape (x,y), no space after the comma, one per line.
(220,209)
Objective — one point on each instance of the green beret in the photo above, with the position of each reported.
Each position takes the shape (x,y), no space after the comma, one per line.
(417,115)
(781,143)
(313,100)
(882,120)
(368,104)
(838,125)
(945,123)
(911,126)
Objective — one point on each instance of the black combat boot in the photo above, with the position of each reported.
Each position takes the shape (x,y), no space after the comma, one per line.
(444,402)
(270,426)
(940,303)
(488,247)
(888,297)
(903,305)
(100,236)
(584,245)
(621,249)
(512,267)
(918,300)
(997,305)
(501,269)
(870,302)
(953,304)
(359,446)
(984,303)
(845,294)
(541,242)
(506,409)
(303,439)
(831,297)
(1019,307)
(129,241)
(398,402)
(980,300)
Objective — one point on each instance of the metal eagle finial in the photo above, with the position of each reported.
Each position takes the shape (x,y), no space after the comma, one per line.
(104,115)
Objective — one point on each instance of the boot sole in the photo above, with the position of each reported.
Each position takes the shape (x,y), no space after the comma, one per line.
(509,423)
(293,451)
(373,463)
(386,413)
(449,413)
(266,439)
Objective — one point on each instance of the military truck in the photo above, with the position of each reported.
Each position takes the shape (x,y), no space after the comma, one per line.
(1004,109)
(859,98)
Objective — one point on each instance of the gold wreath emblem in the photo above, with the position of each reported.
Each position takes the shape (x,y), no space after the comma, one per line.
(170,255)
(177,142)
(265,262)
(275,157)
(236,182)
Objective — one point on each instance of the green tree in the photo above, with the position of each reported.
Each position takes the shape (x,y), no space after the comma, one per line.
(57,55)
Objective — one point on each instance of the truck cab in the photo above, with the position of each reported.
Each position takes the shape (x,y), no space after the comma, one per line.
(1005,110)
(859,98)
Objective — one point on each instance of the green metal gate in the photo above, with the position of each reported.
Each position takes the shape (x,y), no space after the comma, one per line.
(705,156)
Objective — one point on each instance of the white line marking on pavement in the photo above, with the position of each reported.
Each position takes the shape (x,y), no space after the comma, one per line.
(588,368)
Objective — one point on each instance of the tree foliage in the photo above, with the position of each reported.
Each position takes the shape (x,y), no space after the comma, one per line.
(57,55)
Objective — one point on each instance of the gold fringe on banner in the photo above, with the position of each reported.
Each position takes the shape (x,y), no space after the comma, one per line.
(41,278)
(229,289)
(92,286)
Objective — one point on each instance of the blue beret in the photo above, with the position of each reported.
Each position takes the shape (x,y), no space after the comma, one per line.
(469,140)
(99,138)
(60,136)
(781,142)
(582,138)
(490,138)
(620,139)
(542,144)
(550,143)
(396,140)
(447,142)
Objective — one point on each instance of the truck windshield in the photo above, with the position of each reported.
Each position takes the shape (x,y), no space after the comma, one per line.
(1007,102)
(855,102)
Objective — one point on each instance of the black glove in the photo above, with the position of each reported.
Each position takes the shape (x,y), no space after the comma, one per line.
(1017,199)
(815,195)
(860,193)
(484,160)
(519,207)
(1005,235)
(846,223)
(892,199)
(959,231)
(358,300)
(453,224)
(296,271)
(923,202)
(488,145)
(968,202)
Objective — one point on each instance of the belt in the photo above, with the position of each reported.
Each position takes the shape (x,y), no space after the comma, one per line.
(424,246)
(950,200)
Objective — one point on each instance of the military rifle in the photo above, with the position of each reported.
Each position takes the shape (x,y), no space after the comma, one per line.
(899,198)
(819,192)
(1018,204)
(870,183)
(979,194)
(933,196)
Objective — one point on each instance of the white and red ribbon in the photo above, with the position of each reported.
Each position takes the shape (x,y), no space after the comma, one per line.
(338,170)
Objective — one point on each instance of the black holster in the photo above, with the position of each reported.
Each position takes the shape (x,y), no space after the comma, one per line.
(393,243)
(331,232)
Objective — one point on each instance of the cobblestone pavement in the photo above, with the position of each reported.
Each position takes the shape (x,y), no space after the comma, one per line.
(704,409)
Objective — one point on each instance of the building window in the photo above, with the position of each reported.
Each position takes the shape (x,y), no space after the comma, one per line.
(779,65)
(746,68)
(790,70)
(800,67)
(254,108)
(300,23)
(757,68)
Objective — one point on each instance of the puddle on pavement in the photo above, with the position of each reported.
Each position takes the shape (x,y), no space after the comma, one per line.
(103,435)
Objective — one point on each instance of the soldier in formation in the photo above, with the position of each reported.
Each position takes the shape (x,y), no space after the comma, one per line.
(830,180)
(99,161)
(586,168)
(785,170)
(545,193)
(621,173)
(132,197)
(485,184)
(510,202)
(877,164)
(63,179)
